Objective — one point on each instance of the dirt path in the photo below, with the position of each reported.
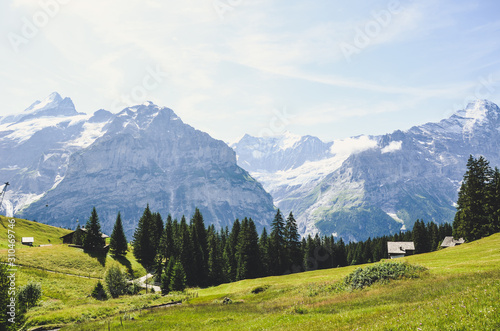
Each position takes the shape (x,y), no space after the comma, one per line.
(142,282)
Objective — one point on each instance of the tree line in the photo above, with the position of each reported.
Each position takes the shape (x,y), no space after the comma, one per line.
(204,256)
(478,205)
(183,253)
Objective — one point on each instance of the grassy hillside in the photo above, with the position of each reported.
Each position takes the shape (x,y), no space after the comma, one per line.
(59,257)
(460,291)
(43,234)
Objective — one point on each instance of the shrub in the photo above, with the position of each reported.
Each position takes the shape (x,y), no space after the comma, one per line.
(98,292)
(29,295)
(260,289)
(133,288)
(116,282)
(381,272)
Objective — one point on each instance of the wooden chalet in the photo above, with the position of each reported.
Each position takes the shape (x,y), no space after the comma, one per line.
(396,249)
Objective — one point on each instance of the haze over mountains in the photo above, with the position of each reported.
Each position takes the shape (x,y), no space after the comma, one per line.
(60,163)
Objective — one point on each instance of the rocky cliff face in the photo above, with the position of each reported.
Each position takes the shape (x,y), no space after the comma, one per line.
(144,154)
(368,186)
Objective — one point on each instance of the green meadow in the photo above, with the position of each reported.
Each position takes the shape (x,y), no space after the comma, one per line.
(460,290)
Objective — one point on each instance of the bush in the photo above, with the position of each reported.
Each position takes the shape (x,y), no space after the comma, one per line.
(116,282)
(260,289)
(133,288)
(381,272)
(98,292)
(29,295)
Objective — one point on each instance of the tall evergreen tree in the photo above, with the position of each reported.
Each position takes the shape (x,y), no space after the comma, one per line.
(118,242)
(178,279)
(472,218)
(494,202)
(421,238)
(247,252)
(156,229)
(199,240)
(215,263)
(144,247)
(264,253)
(93,240)
(278,245)
(230,263)
(186,252)
(165,250)
(292,239)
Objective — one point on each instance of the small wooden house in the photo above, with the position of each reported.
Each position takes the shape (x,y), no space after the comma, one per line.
(28,241)
(396,249)
(68,238)
(449,241)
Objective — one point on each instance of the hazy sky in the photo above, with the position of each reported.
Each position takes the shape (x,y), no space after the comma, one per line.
(229,67)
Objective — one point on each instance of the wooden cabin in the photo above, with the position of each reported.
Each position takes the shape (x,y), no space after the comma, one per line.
(396,249)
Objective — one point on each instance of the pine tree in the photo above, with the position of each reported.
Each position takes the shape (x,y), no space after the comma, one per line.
(230,263)
(186,252)
(472,219)
(309,263)
(433,233)
(278,245)
(421,238)
(93,240)
(156,229)
(215,263)
(118,241)
(494,202)
(178,280)
(264,253)
(166,276)
(144,247)
(247,251)
(166,248)
(98,292)
(199,241)
(292,238)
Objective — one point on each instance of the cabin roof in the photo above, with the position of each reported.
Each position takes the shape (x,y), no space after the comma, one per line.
(400,247)
(84,230)
(449,241)
(28,239)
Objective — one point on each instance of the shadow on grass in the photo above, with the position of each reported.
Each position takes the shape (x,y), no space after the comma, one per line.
(99,255)
(125,262)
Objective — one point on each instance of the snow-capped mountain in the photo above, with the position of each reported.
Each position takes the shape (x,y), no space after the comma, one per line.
(368,186)
(61,163)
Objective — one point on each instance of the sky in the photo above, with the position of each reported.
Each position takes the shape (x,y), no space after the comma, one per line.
(325,68)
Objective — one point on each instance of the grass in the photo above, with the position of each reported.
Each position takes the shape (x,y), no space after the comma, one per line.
(459,291)
(66,300)
(43,234)
(75,261)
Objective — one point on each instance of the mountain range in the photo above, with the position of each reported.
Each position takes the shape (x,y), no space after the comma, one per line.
(61,163)
(373,185)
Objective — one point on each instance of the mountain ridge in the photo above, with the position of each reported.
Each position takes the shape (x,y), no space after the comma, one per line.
(372,185)
(121,162)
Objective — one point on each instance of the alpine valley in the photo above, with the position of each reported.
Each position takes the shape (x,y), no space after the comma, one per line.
(61,163)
